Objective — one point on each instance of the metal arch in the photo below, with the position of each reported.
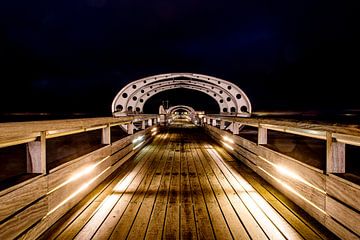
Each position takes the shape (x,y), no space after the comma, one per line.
(183,107)
(151,93)
(231,89)
(222,96)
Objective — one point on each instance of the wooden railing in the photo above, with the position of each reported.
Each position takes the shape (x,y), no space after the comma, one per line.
(323,193)
(30,207)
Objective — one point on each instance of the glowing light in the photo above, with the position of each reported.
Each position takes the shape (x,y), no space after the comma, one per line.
(138,139)
(153,130)
(227,145)
(227,139)
(79,190)
(154,133)
(78,175)
(138,145)
(288,173)
(289,188)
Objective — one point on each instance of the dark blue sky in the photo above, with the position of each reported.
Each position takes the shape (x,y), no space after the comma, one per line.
(73,55)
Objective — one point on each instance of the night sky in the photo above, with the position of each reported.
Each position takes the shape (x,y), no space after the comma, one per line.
(75,55)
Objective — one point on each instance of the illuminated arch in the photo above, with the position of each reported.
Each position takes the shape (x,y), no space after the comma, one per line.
(229,97)
(188,109)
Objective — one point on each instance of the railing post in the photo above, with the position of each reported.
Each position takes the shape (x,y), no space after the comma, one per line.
(208,121)
(236,127)
(130,128)
(143,125)
(222,124)
(214,122)
(335,155)
(150,122)
(262,135)
(36,155)
(106,135)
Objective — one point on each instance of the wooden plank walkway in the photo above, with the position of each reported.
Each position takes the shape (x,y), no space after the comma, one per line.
(183,186)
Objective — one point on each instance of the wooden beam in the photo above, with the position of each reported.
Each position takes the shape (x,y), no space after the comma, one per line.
(143,125)
(236,127)
(106,135)
(130,128)
(214,122)
(222,124)
(335,155)
(36,155)
(262,135)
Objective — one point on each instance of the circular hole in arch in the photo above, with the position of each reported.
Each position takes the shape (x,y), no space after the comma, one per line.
(148,94)
(142,90)
(214,94)
(130,108)
(244,108)
(134,98)
(144,81)
(124,95)
(218,82)
(228,99)
(238,96)
(138,109)
(155,90)
(212,87)
(224,109)
(141,100)
(232,109)
(134,86)
(119,107)
(221,92)
(151,87)
(221,101)
(207,91)
(229,87)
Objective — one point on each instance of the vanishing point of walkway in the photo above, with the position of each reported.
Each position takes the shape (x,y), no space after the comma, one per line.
(184,186)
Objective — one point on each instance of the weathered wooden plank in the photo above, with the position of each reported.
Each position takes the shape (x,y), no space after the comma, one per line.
(352,129)
(36,155)
(220,227)
(343,190)
(67,170)
(124,224)
(172,218)
(71,230)
(52,217)
(309,192)
(17,129)
(21,197)
(78,216)
(292,218)
(156,223)
(124,193)
(263,221)
(72,184)
(339,230)
(138,229)
(187,221)
(262,135)
(235,225)
(23,220)
(335,155)
(344,215)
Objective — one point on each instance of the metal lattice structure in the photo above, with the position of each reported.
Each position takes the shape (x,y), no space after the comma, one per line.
(230,98)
